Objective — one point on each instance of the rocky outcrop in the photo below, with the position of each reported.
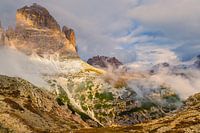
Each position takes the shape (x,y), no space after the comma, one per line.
(69,34)
(37,32)
(104,62)
(26,108)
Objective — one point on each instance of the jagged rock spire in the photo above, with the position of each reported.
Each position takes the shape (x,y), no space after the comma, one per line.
(69,34)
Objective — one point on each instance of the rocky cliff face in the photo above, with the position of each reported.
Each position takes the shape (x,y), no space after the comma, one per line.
(37,32)
(104,62)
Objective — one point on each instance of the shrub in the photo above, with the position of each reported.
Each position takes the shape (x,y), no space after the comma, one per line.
(62,99)
(105,96)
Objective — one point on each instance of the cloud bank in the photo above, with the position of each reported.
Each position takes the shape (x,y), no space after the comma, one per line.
(115,27)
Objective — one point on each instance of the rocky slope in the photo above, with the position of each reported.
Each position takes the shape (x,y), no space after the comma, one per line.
(26,108)
(185,120)
(37,32)
(108,101)
(104,62)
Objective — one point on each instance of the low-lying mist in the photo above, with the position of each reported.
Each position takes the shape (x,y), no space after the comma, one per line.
(16,64)
(183,81)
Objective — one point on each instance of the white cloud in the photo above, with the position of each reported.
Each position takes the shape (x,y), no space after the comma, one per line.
(96,22)
(16,64)
(104,26)
(177,18)
(148,55)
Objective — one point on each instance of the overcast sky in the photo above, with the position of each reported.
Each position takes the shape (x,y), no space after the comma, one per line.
(128,29)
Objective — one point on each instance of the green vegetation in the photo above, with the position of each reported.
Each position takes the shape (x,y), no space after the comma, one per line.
(89,84)
(172,99)
(84,107)
(104,96)
(147,105)
(84,116)
(104,106)
(82,98)
(90,96)
(85,85)
(97,106)
(62,99)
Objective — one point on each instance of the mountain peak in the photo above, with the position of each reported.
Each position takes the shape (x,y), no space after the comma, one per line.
(104,62)
(37,32)
(36,16)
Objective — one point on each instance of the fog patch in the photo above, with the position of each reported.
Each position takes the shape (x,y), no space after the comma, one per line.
(16,64)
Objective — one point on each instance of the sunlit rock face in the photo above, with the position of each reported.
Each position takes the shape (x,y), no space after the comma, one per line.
(36,16)
(38,32)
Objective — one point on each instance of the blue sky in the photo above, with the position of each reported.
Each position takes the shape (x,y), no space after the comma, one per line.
(121,27)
